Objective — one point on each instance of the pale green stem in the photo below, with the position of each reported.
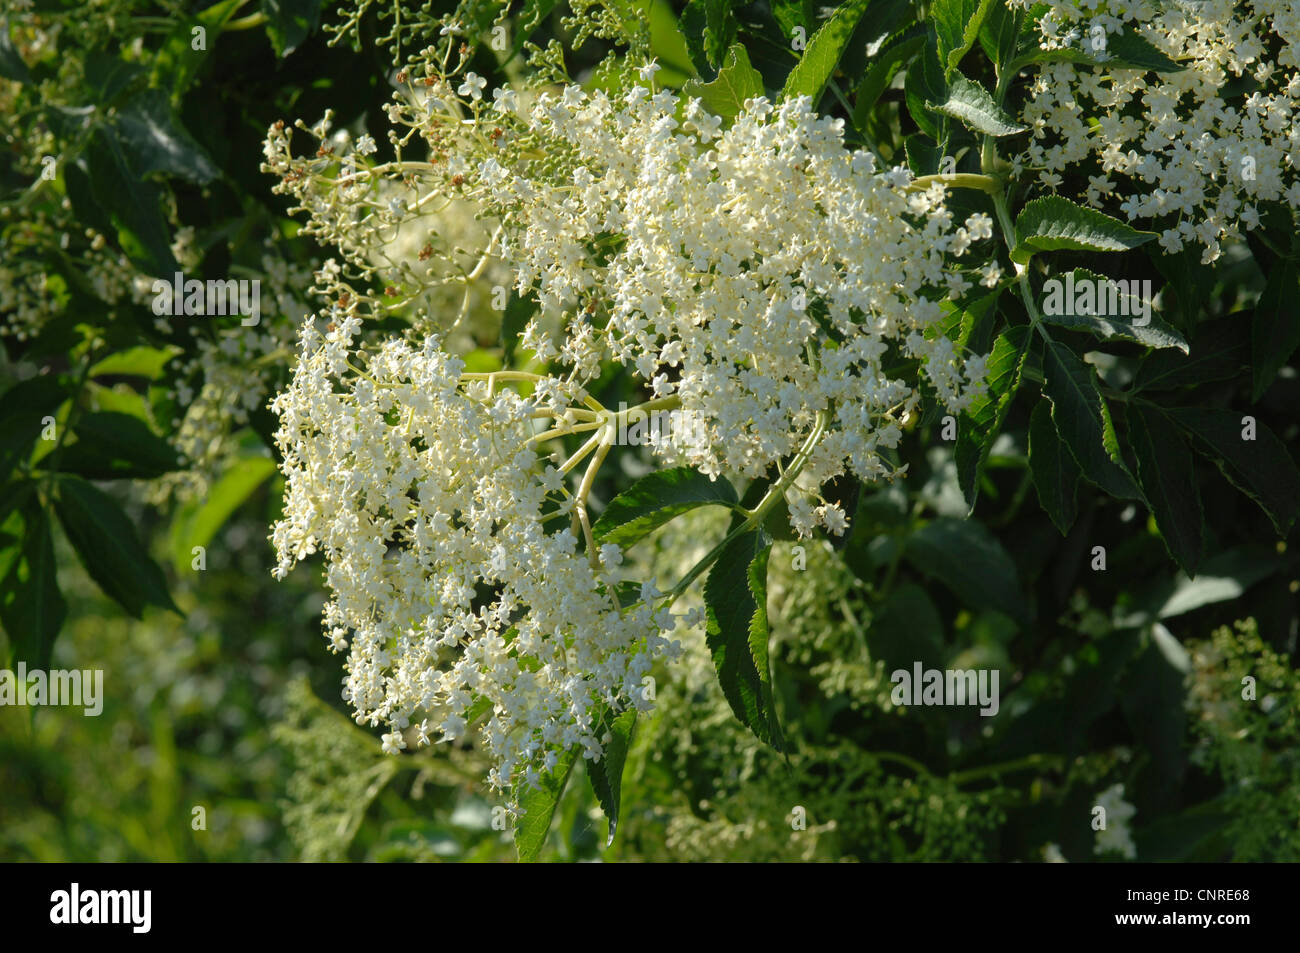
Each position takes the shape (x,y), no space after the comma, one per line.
(958,180)
(755,516)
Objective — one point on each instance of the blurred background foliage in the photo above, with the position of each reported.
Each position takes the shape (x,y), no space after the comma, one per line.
(230,702)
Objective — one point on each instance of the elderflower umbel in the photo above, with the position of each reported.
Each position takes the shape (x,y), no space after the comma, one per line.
(759,278)
(1173,150)
(453,591)
(758,275)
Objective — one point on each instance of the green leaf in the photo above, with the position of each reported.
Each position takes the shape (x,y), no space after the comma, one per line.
(923,84)
(22,410)
(12,65)
(907,628)
(110,76)
(146,362)
(970,561)
(153,140)
(980,424)
(1054,471)
(709,28)
(815,67)
(1185,836)
(1053,223)
(1224,577)
(1083,421)
(1261,468)
(1130,50)
(1125,50)
(111,445)
(81,193)
(923,154)
(177,61)
(606,775)
(198,524)
(884,66)
(1164,469)
(1218,352)
(971,325)
(956,25)
(973,105)
(655,499)
(31,606)
(792,13)
(736,82)
(289,22)
(667,44)
(1108,311)
(13,494)
(1092,688)
(1152,697)
(1000,33)
(1275,329)
(1188,284)
(735,597)
(529,19)
(108,547)
(134,205)
(537,807)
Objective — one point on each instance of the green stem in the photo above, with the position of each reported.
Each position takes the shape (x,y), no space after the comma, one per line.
(1022,272)
(994,770)
(74,412)
(777,491)
(246,23)
(958,180)
(916,766)
(755,516)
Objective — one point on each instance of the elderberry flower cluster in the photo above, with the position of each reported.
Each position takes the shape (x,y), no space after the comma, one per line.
(1115,835)
(1194,153)
(458,586)
(760,277)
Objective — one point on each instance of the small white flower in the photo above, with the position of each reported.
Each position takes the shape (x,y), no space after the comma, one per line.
(505,99)
(473,86)
(611,555)
(832,517)
(991,274)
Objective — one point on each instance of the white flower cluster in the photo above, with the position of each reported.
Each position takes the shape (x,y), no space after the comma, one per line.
(422,487)
(759,275)
(758,280)
(1115,836)
(1193,153)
